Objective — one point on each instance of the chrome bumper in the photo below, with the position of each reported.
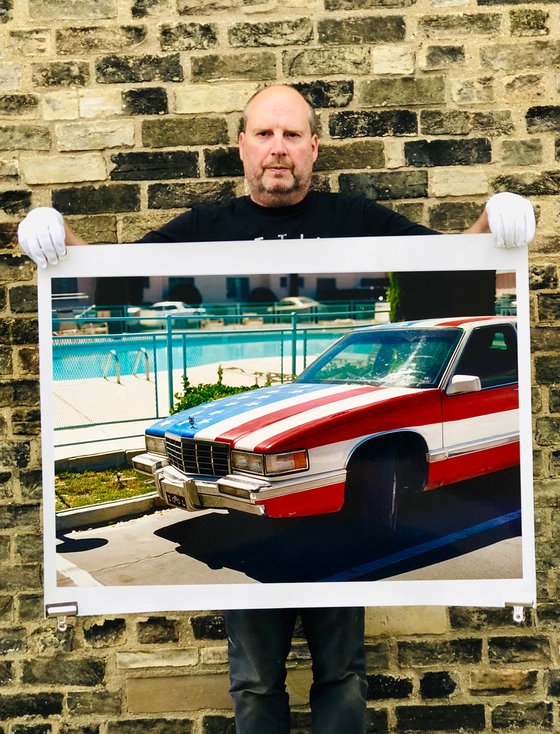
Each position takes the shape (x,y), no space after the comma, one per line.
(231,492)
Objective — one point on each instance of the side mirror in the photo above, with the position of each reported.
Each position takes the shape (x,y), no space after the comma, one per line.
(464,384)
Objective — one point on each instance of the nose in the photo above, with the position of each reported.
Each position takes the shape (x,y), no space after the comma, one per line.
(278,146)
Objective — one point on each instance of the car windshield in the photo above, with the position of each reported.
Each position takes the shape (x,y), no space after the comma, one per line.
(400,357)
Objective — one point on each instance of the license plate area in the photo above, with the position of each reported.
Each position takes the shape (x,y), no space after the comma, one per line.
(176,500)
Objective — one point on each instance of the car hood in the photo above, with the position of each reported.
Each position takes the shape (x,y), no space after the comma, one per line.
(289,415)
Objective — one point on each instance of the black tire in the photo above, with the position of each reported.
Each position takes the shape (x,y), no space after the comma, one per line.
(374,489)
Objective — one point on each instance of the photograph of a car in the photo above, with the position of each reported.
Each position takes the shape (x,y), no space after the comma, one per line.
(386,412)
(373,452)
(154,316)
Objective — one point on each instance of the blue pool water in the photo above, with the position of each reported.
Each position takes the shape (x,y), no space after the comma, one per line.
(86,357)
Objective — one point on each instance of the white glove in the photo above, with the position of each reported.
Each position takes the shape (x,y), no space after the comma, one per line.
(511,219)
(41,236)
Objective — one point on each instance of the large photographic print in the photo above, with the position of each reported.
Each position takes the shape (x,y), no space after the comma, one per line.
(272,424)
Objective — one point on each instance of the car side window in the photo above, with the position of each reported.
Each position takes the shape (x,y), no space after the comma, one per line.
(491,355)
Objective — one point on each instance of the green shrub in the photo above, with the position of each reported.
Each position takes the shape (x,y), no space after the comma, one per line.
(205,392)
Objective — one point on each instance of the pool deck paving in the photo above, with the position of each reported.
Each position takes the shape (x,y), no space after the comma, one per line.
(106,416)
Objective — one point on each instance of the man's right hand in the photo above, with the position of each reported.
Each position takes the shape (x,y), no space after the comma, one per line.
(42,236)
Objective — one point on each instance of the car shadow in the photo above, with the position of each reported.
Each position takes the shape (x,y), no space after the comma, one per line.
(471,515)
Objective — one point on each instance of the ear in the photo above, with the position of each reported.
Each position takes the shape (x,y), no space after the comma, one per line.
(315,146)
(241,144)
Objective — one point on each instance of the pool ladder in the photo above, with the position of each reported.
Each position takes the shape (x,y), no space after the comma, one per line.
(114,357)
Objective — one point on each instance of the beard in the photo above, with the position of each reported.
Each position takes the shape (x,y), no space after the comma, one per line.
(277,190)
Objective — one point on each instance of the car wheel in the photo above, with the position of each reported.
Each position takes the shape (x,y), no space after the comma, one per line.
(373,488)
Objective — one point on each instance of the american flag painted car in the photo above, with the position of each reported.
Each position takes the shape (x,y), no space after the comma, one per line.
(385,411)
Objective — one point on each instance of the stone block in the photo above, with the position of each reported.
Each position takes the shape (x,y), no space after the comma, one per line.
(452,216)
(177,693)
(157,630)
(15,202)
(399,621)
(25,137)
(186,657)
(496,682)
(327,93)
(151,726)
(348,124)
(61,105)
(185,196)
(188,36)
(145,101)
(383,687)
(208,98)
(450,182)
(12,640)
(63,670)
(545,183)
(519,649)
(60,74)
(27,422)
(60,169)
(479,90)
(384,186)
(222,162)
(364,29)
(366,4)
(96,39)
(524,88)
(97,199)
(353,60)
(17,705)
(522,152)
(152,166)
(355,154)
(393,59)
(28,42)
(523,716)
(72,9)
(208,627)
(94,703)
(273,33)
(464,152)
(256,66)
(458,717)
(167,133)
(529,22)
(426,653)
(455,25)
(10,76)
(434,58)
(543,118)
(99,103)
(402,92)
(516,56)
(115,69)
(437,685)
(96,135)
(106,633)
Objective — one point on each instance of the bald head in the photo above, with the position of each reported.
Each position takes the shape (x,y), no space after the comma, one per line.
(278,89)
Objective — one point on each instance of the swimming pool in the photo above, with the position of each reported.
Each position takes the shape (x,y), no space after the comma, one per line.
(82,357)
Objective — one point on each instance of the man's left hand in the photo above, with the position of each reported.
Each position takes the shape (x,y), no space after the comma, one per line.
(511,219)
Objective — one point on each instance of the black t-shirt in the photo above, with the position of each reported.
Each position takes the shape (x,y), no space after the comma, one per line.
(320,214)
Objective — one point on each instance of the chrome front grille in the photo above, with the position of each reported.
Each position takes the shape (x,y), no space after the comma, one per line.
(198,457)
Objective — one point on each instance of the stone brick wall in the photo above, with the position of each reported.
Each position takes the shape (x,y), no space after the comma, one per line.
(121,113)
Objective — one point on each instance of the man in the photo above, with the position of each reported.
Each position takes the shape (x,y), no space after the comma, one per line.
(278,146)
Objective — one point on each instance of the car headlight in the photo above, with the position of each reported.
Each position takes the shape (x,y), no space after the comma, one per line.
(270,464)
(155,444)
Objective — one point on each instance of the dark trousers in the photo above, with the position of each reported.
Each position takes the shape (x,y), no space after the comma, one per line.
(259,642)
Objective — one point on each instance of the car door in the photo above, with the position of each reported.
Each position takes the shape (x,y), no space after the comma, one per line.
(481,425)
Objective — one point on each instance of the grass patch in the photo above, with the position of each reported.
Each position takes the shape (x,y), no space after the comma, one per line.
(76,489)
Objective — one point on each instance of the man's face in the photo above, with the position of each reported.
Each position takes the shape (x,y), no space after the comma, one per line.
(277,148)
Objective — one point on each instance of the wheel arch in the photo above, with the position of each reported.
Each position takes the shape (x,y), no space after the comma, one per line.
(412,452)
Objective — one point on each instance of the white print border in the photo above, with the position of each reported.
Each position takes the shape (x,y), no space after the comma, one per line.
(424,253)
